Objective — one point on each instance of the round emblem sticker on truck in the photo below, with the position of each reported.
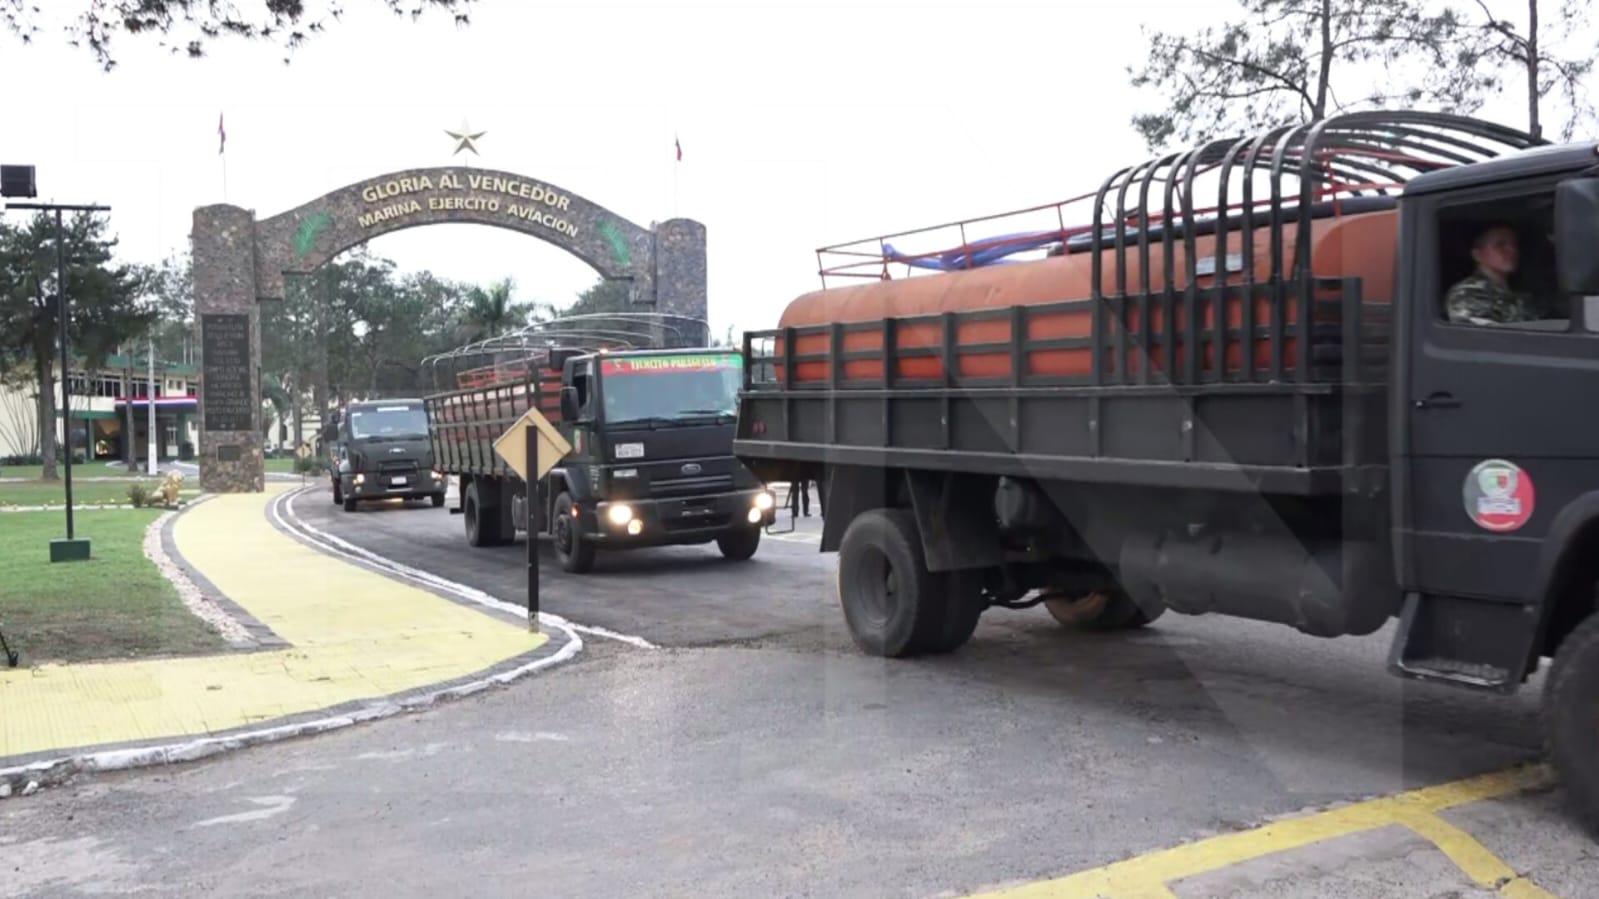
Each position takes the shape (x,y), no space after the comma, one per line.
(1499,495)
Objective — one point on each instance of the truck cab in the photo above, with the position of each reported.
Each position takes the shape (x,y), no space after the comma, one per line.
(652,462)
(379,449)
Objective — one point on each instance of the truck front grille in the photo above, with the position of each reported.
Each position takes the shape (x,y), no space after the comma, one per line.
(715,483)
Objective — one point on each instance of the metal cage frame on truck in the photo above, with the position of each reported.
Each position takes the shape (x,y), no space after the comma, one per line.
(1345,165)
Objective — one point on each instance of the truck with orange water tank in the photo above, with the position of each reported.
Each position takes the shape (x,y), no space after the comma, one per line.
(648,410)
(1232,387)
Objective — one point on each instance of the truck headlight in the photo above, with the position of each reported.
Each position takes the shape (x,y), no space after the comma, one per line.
(360,479)
(764,501)
(619,514)
(755,516)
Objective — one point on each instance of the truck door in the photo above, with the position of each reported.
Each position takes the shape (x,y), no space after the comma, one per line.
(1495,431)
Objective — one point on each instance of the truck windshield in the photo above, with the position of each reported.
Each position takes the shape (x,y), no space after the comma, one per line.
(669,388)
(388,422)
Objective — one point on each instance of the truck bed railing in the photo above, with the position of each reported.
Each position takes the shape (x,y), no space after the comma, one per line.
(463,424)
(510,357)
(1314,169)
(1012,347)
(912,391)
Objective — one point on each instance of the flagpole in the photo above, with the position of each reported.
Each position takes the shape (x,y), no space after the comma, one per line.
(676,166)
(222,146)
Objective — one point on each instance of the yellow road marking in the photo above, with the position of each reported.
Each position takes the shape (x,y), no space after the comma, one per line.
(355,635)
(1149,875)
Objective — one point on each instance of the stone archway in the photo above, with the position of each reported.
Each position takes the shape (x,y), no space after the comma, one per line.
(239,261)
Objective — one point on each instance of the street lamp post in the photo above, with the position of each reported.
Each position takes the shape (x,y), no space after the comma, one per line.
(71,549)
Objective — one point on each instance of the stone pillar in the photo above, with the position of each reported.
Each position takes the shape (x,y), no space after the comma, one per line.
(680,271)
(228,330)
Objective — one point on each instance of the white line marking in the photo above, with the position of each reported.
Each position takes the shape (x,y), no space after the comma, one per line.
(471,594)
(270,806)
(535,737)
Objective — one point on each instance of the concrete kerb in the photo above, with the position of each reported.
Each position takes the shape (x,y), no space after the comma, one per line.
(284,516)
(29,777)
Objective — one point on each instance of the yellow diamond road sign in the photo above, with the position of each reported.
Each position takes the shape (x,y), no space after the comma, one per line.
(512,445)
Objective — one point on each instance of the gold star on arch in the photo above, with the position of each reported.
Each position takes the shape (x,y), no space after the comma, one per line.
(465,139)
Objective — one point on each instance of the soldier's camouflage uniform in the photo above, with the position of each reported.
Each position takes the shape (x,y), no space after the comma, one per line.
(1478,300)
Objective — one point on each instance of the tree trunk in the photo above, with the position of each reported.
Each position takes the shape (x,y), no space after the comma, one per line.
(47,410)
(298,406)
(322,390)
(1534,126)
(1324,74)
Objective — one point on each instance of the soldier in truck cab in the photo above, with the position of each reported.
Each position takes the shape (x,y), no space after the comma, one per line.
(1485,296)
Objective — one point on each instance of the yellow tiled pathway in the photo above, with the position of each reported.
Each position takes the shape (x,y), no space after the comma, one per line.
(354,635)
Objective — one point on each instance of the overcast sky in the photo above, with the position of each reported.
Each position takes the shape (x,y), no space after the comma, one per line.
(802,124)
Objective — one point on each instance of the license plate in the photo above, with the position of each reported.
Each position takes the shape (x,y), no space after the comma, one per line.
(396,482)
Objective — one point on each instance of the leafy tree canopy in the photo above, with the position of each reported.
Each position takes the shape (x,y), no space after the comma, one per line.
(187,26)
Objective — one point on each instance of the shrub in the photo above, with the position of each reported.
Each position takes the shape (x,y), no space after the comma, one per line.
(139,495)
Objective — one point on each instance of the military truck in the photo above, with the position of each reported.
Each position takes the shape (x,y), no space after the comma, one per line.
(1231,384)
(379,450)
(649,416)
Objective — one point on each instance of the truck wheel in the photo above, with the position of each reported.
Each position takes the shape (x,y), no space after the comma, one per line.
(349,504)
(1571,718)
(338,494)
(963,606)
(1112,611)
(482,525)
(893,605)
(438,500)
(739,545)
(575,553)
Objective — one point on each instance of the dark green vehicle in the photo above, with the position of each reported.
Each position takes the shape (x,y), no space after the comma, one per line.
(379,449)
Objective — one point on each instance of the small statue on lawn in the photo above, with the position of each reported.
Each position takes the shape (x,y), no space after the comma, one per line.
(170,486)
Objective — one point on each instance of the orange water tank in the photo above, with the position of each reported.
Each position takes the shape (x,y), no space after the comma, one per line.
(1346,246)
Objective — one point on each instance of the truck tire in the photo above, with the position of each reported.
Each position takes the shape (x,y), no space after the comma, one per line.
(964,605)
(1571,719)
(893,605)
(740,545)
(575,553)
(349,504)
(482,524)
(1112,611)
(438,500)
(338,494)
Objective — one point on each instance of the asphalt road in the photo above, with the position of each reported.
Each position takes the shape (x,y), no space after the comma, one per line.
(756,752)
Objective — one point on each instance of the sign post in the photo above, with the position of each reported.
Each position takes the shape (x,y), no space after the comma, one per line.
(534,510)
(532,446)
(72,548)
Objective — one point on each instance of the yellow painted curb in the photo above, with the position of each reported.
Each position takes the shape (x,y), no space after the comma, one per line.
(355,635)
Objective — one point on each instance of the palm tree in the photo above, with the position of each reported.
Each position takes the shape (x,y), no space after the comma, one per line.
(492,312)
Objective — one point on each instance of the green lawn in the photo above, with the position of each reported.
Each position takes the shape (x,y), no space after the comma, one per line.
(116,605)
(84,493)
(80,470)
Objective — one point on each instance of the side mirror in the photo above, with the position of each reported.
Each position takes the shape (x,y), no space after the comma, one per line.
(568,404)
(1577,235)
